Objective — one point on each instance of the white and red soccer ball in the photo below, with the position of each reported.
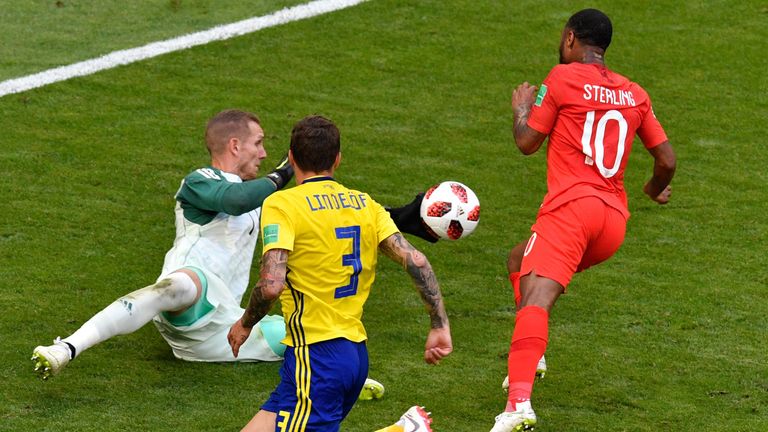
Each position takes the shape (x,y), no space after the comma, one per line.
(450,210)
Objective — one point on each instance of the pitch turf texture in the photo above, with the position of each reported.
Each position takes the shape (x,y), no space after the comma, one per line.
(670,334)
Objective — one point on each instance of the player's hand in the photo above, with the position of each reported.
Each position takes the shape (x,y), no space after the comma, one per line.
(524,96)
(282,173)
(661,198)
(438,345)
(237,336)
(408,219)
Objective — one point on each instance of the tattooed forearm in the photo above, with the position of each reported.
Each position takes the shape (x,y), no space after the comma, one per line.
(268,288)
(258,306)
(416,264)
(426,283)
(521,114)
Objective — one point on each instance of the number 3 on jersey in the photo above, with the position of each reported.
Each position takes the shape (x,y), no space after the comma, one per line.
(599,144)
(352,260)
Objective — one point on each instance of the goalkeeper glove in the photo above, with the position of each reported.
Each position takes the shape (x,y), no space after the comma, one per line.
(408,219)
(282,173)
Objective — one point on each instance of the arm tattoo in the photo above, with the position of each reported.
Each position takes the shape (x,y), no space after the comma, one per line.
(521,119)
(268,288)
(416,264)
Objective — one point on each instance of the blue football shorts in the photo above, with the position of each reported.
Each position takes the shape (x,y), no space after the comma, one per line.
(319,384)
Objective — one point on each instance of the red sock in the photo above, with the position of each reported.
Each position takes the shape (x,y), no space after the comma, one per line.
(529,341)
(515,279)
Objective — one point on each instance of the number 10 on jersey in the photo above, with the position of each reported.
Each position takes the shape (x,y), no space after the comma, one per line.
(587,143)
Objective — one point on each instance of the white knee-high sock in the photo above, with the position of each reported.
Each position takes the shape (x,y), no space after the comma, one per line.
(129,313)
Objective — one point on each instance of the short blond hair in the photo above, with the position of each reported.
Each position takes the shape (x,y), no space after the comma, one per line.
(228,124)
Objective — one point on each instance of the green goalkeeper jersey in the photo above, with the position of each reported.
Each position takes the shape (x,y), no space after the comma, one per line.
(217,225)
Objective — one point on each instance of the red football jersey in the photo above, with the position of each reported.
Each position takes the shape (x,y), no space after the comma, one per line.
(591,115)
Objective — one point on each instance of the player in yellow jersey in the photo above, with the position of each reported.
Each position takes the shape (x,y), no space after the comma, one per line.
(321,243)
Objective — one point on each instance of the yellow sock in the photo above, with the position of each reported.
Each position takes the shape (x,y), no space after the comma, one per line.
(393,428)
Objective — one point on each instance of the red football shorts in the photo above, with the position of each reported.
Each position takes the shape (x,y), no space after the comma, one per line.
(573,237)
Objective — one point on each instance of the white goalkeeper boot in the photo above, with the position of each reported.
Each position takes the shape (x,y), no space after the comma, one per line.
(50,360)
(372,389)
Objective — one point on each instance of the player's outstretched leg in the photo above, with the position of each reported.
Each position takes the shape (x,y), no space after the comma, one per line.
(416,419)
(127,314)
(372,389)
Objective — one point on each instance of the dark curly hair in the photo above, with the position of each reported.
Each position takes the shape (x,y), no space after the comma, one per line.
(591,27)
(315,143)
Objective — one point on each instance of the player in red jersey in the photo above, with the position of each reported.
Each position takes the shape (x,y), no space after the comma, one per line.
(591,116)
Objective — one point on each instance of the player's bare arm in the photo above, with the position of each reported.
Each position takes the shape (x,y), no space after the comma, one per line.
(439,342)
(268,288)
(664,165)
(527,139)
(418,267)
(271,283)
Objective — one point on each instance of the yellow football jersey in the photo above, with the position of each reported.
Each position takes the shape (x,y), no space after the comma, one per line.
(332,234)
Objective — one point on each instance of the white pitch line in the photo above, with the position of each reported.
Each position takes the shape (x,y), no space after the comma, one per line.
(154,49)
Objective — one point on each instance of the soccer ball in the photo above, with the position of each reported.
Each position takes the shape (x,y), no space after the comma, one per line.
(450,210)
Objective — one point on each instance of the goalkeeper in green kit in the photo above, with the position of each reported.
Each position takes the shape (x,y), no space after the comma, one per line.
(197,297)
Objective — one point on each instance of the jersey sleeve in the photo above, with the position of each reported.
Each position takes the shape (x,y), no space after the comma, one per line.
(384,223)
(208,191)
(545,107)
(650,131)
(277,228)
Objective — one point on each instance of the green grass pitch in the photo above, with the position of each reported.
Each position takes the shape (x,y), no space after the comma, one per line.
(670,334)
